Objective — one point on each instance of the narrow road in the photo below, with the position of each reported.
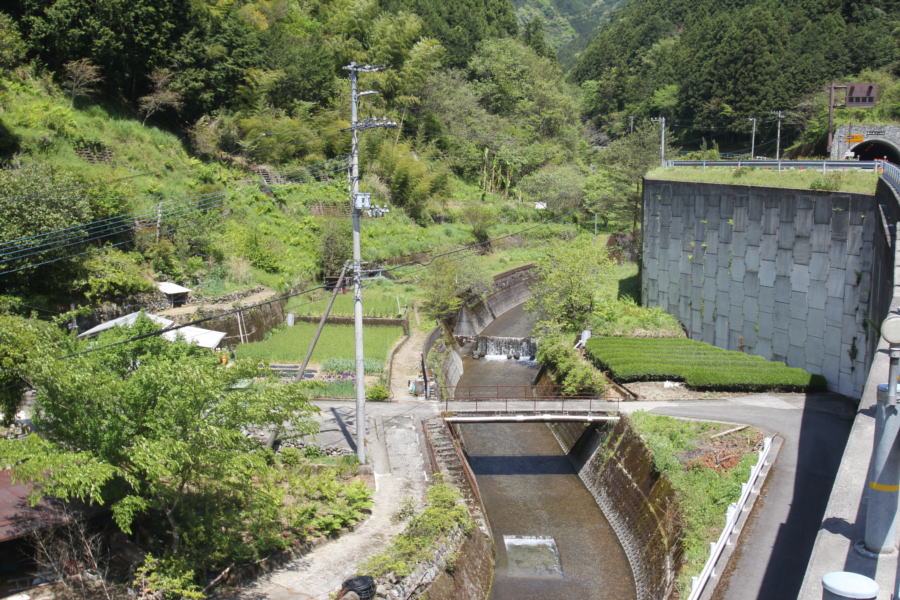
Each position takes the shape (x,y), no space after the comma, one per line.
(775,546)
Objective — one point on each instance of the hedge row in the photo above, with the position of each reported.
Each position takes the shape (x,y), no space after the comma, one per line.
(701,366)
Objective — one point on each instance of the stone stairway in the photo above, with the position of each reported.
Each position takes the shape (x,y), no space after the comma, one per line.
(449,463)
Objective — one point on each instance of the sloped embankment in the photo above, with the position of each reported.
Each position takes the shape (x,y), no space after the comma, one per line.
(640,504)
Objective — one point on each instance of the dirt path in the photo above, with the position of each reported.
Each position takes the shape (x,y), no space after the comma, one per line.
(407,366)
(398,464)
(188,309)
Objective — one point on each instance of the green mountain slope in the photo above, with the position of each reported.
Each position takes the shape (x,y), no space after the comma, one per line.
(712,64)
(568,24)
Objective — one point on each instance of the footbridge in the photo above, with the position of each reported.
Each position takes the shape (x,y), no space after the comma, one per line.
(520,403)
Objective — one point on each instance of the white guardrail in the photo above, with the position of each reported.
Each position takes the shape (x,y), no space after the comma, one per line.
(819,165)
(698,583)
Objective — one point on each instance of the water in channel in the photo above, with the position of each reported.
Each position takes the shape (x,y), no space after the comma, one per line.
(551,539)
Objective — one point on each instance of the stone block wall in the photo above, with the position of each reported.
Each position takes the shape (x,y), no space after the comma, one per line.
(781,273)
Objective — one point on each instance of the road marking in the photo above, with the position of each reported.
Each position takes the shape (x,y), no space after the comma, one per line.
(880,487)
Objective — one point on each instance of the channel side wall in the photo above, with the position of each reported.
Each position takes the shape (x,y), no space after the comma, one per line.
(509,289)
(781,273)
(617,468)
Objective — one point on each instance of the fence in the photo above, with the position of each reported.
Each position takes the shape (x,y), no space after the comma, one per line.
(699,582)
(521,399)
(822,165)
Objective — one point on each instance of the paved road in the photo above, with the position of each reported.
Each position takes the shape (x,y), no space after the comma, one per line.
(776,543)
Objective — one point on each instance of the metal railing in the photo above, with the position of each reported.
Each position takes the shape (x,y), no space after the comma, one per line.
(523,399)
(819,165)
(732,515)
(891,174)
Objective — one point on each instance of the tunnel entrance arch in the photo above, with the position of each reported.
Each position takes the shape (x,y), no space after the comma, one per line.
(876,149)
(866,142)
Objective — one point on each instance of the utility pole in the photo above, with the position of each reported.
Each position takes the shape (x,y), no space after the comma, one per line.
(358,202)
(831,87)
(630,123)
(780,116)
(662,139)
(752,138)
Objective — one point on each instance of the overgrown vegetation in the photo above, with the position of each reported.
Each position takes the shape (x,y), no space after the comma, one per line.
(701,366)
(575,376)
(858,182)
(444,513)
(704,489)
(154,431)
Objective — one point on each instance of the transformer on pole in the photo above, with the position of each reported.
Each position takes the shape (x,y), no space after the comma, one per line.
(358,203)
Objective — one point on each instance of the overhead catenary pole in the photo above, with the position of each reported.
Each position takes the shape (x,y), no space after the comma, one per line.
(752,138)
(357,203)
(779,115)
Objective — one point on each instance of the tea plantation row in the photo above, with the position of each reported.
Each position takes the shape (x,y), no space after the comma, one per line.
(701,366)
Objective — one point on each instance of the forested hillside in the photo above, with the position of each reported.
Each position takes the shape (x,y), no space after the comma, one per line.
(157,112)
(709,65)
(148,103)
(568,24)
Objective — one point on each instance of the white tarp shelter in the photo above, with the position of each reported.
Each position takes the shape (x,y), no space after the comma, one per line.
(205,338)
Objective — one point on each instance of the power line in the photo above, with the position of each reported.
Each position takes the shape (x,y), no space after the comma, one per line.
(131,216)
(116,244)
(108,230)
(301,292)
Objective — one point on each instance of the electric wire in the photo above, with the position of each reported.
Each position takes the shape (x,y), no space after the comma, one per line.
(162,231)
(131,224)
(287,296)
(130,216)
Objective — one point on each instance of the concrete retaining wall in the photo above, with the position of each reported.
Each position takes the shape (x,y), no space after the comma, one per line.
(470,576)
(510,289)
(784,274)
(639,503)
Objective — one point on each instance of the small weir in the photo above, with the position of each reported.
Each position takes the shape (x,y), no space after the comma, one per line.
(517,348)
(551,539)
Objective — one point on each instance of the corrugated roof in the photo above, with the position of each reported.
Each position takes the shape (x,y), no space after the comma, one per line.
(126,320)
(17,517)
(167,287)
(205,338)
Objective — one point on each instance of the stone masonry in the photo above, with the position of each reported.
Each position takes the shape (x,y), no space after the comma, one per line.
(781,273)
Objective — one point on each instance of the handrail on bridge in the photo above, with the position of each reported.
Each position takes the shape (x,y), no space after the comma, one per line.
(521,399)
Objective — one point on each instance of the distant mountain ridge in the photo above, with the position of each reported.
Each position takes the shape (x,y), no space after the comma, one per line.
(569,25)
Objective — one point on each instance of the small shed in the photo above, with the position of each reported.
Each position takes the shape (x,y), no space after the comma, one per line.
(176,294)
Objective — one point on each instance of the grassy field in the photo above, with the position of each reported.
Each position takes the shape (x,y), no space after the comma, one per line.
(701,366)
(381,298)
(847,181)
(289,344)
(706,484)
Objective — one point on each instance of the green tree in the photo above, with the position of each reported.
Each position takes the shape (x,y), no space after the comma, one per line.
(614,192)
(570,277)
(20,340)
(12,47)
(155,430)
(448,283)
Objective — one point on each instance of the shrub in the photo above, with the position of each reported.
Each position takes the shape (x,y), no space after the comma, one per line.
(377,392)
(573,374)
(625,317)
(444,513)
